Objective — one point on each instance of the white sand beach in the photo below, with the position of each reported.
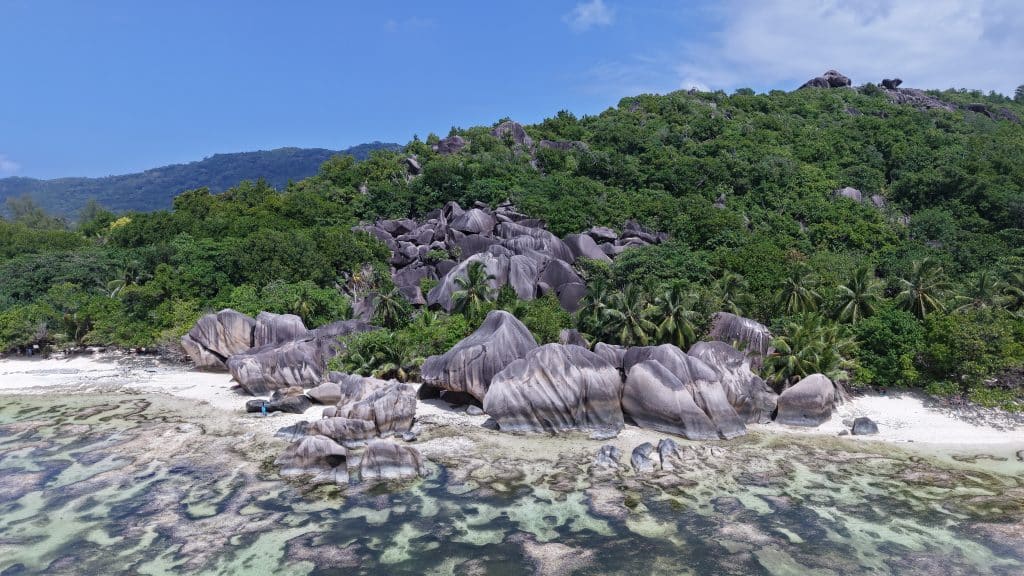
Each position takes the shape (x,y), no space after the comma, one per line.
(902,417)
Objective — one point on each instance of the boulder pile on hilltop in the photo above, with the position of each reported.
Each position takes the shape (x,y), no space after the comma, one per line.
(514,249)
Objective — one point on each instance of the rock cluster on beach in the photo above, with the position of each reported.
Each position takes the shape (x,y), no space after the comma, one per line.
(516,250)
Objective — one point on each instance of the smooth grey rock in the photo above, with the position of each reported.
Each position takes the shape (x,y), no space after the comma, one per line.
(391,409)
(851,193)
(294,432)
(221,336)
(343,430)
(472,363)
(262,370)
(747,392)
(583,246)
(641,460)
(864,426)
(450,145)
(572,336)
(387,461)
(669,453)
(753,337)
(412,275)
(273,328)
(891,83)
(602,234)
(570,295)
(657,400)
(513,131)
(520,238)
(809,402)
(557,388)
(612,353)
(311,455)
(523,271)
(409,436)
(608,456)
(474,221)
(496,266)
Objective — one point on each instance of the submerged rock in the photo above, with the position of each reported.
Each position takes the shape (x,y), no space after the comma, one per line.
(670,454)
(608,456)
(472,363)
(641,460)
(386,461)
(557,388)
(864,426)
(809,402)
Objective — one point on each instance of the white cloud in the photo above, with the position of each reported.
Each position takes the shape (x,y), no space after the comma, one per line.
(587,15)
(976,44)
(8,167)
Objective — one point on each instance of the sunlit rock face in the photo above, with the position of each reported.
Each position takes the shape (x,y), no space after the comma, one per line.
(747,392)
(215,337)
(748,335)
(557,388)
(809,402)
(657,400)
(471,364)
(387,461)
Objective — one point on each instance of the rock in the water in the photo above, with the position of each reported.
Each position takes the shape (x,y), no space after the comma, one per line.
(753,337)
(311,455)
(471,364)
(641,458)
(809,402)
(557,388)
(608,456)
(670,454)
(216,337)
(748,394)
(657,400)
(387,461)
(864,426)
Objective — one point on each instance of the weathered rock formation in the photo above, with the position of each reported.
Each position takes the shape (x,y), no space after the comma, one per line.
(557,388)
(387,461)
(809,402)
(472,363)
(830,79)
(656,399)
(215,337)
(749,335)
(747,392)
(389,409)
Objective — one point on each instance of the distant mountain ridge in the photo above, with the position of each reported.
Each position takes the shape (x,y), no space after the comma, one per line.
(154,189)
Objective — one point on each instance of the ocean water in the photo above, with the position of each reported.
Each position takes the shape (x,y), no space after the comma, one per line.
(122,484)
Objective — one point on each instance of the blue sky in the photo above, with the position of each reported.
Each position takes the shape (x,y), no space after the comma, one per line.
(116,86)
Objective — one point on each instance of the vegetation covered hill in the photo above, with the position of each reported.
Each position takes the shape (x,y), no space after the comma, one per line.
(919,283)
(154,189)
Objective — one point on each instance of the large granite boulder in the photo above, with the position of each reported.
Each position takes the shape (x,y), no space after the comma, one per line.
(496,266)
(473,221)
(514,132)
(830,79)
(809,402)
(292,400)
(557,388)
(272,329)
(703,384)
(387,461)
(752,337)
(747,392)
(216,337)
(343,430)
(262,370)
(391,409)
(657,400)
(311,455)
(520,239)
(471,364)
(450,145)
(612,353)
(583,246)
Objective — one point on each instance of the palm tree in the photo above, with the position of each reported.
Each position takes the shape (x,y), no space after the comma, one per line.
(798,295)
(390,308)
(857,298)
(1013,293)
(629,317)
(923,290)
(809,345)
(474,290)
(393,360)
(731,291)
(984,292)
(593,315)
(675,308)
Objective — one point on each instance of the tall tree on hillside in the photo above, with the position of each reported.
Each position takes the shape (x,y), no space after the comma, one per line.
(858,297)
(629,317)
(474,290)
(923,289)
(674,307)
(731,290)
(985,291)
(798,293)
(1018,95)
(390,308)
(1013,293)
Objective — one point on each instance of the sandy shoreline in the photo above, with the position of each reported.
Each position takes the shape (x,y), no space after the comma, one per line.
(902,418)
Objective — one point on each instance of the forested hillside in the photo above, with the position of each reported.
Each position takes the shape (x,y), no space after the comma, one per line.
(154,189)
(879,235)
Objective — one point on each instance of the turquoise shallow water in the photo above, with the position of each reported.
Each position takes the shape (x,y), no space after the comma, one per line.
(124,484)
